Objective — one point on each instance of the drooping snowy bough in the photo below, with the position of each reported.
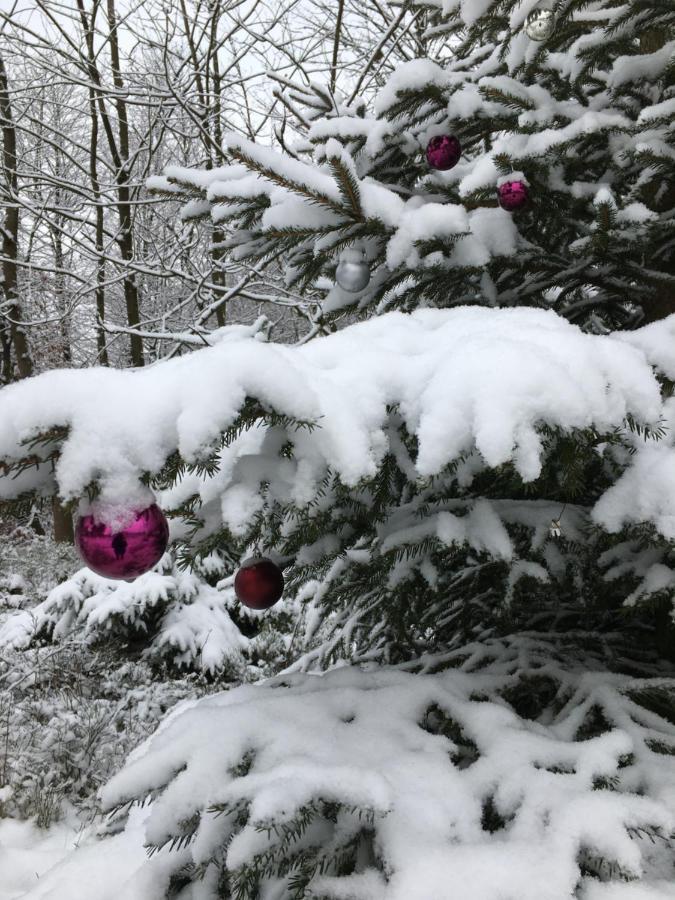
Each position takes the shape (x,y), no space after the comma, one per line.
(392,468)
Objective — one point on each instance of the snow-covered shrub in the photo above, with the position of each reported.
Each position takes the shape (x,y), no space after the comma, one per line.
(523,767)
(175,618)
(31,565)
(68,719)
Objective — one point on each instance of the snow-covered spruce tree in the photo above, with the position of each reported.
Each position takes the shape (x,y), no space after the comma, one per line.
(544,761)
(585,120)
(481,498)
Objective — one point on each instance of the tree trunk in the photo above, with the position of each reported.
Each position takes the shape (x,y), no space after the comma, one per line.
(63,523)
(217,274)
(213,112)
(5,353)
(99,294)
(61,295)
(10,233)
(126,239)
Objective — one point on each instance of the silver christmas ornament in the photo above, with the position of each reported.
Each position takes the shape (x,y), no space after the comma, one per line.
(540,24)
(352,272)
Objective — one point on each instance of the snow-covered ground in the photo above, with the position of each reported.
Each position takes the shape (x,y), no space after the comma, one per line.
(27,852)
(67,860)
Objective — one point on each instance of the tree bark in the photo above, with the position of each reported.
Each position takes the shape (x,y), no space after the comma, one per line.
(98,238)
(88,29)
(61,296)
(63,523)
(217,274)
(10,234)
(5,353)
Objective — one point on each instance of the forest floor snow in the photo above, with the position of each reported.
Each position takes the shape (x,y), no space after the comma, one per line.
(67,861)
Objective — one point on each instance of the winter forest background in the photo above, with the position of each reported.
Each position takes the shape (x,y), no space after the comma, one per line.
(237,281)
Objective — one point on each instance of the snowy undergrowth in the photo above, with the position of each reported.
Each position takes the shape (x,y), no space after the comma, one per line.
(31,565)
(187,620)
(68,719)
(511,768)
(68,714)
(89,666)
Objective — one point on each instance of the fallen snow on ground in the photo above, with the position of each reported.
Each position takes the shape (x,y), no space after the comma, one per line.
(27,852)
(68,862)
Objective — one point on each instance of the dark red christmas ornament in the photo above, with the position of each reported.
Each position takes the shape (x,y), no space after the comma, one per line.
(259,583)
(127,553)
(513,195)
(443,151)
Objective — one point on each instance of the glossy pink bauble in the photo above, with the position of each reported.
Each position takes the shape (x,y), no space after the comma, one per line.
(512,195)
(259,583)
(443,152)
(123,554)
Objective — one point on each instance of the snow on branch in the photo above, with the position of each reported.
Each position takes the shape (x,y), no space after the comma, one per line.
(380,785)
(463,379)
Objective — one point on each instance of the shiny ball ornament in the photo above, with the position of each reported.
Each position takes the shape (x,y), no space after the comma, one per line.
(540,24)
(352,272)
(512,195)
(443,152)
(259,583)
(126,553)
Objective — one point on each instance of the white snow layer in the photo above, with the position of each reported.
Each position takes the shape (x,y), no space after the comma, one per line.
(66,861)
(467,378)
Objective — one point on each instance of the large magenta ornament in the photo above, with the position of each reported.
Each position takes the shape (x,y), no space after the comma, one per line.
(443,151)
(512,195)
(259,583)
(127,553)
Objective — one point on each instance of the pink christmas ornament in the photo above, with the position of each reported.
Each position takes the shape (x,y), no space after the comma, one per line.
(124,554)
(512,195)
(443,151)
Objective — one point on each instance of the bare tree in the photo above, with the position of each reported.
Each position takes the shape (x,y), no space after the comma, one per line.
(106,98)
